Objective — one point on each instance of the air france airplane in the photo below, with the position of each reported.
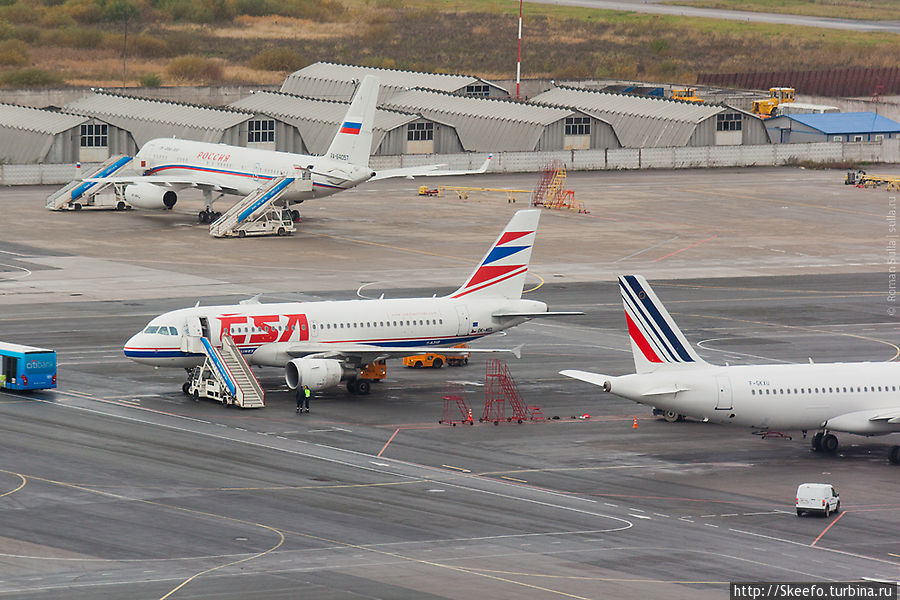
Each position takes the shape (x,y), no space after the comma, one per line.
(169,165)
(858,398)
(320,344)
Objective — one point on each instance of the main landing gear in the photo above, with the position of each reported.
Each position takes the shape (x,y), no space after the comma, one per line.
(359,386)
(824,442)
(894,455)
(208,216)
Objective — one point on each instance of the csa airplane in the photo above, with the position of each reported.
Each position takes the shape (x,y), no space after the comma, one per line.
(321,344)
(169,165)
(858,398)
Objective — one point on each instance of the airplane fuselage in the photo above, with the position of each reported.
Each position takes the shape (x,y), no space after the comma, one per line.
(260,330)
(245,169)
(839,396)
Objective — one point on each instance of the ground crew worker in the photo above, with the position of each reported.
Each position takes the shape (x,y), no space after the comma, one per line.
(303,398)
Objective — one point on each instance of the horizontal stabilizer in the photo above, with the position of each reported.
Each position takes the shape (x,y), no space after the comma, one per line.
(430,171)
(535,315)
(587,377)
(672,389)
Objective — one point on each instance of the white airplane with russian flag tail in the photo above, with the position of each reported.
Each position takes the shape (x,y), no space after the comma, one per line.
(671,377)
(170,165)
(321,344)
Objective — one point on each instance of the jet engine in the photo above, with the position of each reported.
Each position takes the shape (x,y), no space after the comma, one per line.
(148,195)
(315,373)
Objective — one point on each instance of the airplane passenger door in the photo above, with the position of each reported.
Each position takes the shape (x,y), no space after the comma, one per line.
(193,327)
(462,314)
(313,328)
(724,399)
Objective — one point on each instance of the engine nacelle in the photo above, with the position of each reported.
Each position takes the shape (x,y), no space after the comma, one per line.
(315,373)
(148,195)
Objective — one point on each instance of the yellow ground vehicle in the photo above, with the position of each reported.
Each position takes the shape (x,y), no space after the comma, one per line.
(436,361)
(777,95)
(687,94)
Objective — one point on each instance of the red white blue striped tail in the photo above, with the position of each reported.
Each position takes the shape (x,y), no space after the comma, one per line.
(656,341)
(352,142)
(502,271)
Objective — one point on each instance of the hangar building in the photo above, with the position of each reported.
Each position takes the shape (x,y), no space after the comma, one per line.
(332,81)
(467,124)
(139,120)
(645,122)
(307,125)
(32,136)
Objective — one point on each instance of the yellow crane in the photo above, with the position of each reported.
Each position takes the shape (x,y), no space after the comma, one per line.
(777,95)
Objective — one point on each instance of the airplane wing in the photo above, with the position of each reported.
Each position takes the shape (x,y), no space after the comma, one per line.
(362,354)
(164,181)
(428,171)
(587,376)
(877,421)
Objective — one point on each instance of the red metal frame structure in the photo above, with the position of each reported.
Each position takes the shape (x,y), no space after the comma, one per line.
(499,390)
(455,409)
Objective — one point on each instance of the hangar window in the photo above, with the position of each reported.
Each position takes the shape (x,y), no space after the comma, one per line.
(857,138)
(837,138)
(879,137)
(578,125)
(478,89)
(728,122)
(417,132)
(94,136)
(261,130)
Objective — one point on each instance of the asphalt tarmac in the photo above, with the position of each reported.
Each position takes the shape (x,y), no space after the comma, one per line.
(117,485)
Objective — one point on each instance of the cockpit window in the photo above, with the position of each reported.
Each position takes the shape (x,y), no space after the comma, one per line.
(151,329)
(173,331)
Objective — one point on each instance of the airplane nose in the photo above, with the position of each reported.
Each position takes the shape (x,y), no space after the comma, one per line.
(130,346)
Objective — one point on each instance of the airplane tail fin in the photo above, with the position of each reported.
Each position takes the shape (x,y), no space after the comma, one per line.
(353,141)
(502,271)
(656,341)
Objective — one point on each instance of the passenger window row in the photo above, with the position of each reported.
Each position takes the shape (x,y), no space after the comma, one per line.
(830,390)
(366,325)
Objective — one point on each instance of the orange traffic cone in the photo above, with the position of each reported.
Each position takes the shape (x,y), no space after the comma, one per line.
(470,415)
(635,424)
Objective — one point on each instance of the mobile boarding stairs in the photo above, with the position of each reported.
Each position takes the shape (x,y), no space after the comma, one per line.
(78,193)
(224,377)
(262,212)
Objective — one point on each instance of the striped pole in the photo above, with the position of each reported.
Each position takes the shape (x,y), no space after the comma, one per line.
(519,53)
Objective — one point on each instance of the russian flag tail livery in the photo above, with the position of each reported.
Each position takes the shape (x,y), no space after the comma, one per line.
(502,271)
(656,341)
(353,141)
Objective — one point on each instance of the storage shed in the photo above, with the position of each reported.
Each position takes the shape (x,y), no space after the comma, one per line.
(832,127)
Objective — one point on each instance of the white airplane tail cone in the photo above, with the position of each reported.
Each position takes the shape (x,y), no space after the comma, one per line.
(502,271)
(353,141)
(656,341)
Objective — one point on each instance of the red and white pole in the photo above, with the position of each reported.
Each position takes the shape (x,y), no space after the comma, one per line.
(519,53)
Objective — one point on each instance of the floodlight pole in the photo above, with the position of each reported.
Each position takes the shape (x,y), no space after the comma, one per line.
(519,53)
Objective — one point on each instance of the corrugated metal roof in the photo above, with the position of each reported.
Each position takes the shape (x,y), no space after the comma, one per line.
(483,124)
(147,119)
(334,81)
(639,122)
(843,123)
(317,120)
(37,120)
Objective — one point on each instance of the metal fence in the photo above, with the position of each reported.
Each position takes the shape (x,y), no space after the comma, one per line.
(885,151)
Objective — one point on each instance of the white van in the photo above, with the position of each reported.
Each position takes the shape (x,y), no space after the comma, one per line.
(817,497)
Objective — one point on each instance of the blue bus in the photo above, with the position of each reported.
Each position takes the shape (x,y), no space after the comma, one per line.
(27,367)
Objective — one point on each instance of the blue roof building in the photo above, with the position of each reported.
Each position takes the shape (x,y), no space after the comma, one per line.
(832,127)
